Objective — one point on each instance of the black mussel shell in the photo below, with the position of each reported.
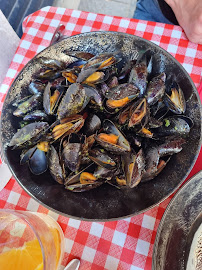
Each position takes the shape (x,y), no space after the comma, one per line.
(79,54)
(73,102)
(28,105)
(101,158)
(37,115)
(93,95)
(36,87)
(83,187)
(125,70)
(138,77)
(55,166)
(17,102)
(71,155)
(92,124)
(122,145)
(174,125)
(133,167)
(156,89)
(51,63)
(26,155)
(170,147)
(122,91)
(161,165)
(73,183)
(48,75)
(113,82)
(154,123)
(103,173)
(38,162)
(151,162)
(28,135)
(120,96)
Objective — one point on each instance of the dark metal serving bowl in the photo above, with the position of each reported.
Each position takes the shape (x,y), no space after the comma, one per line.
(106,202)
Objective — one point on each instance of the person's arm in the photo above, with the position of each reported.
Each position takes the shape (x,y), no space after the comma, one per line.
(189,17)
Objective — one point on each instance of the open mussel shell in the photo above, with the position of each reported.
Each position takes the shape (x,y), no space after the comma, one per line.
(83,187)
(55,166)
(96,78)
(102,61)
(48,75)
(26,155)
(66,126)
(158,156)
(170,147)
(104,173)
(178,125)
(176,101)
(75,184)
(145,132)
(121,95)
(147,176)
(93,95)
(121,91)
(71,74)
(85,73)
(98,63)
(154,123)
(139,113)
(75,178)
(133,165)
(28,135)
(102,158)
(124,115)
(139,72)
(156,89)
(50,101)
(121,146)
(76,65)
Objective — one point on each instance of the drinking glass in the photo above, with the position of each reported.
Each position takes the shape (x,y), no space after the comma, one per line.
(29,240)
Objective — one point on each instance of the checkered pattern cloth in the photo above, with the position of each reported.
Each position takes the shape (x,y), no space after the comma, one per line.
(124,244)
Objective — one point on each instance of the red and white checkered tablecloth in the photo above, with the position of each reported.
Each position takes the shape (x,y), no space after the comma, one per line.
(124,244)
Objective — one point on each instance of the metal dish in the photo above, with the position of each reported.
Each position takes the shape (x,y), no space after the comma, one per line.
(175,233)
(105,202)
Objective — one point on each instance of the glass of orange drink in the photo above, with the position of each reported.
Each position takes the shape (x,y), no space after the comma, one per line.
(29,241)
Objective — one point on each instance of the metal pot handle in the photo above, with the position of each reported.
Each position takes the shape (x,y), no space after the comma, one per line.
(58,34)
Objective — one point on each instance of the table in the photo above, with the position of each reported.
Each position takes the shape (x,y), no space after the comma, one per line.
(124,244)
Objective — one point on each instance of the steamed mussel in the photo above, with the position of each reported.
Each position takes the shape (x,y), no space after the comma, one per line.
(100,119)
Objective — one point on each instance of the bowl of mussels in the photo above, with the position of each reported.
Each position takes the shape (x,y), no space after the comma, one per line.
(101,126)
